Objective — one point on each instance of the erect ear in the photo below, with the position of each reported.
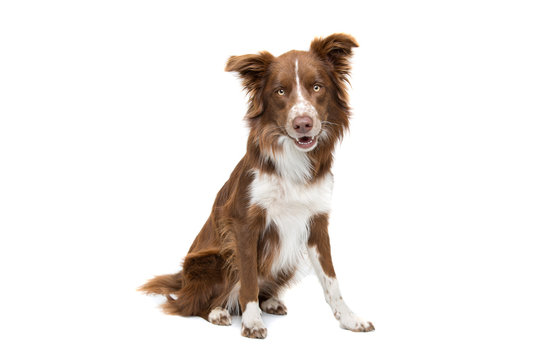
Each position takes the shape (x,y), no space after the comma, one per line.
(252,69)
(337,50)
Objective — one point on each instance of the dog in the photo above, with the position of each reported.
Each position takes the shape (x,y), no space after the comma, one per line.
(274,207)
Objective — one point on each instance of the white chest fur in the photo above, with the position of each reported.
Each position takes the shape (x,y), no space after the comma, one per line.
(289,206)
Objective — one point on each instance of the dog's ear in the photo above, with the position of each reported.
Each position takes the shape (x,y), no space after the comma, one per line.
(337,50)
(252,70)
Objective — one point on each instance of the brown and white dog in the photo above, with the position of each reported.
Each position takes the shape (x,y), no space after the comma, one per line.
(274,207)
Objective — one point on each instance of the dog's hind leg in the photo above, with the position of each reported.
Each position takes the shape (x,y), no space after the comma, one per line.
(220,316)
(202,278)
(274,306)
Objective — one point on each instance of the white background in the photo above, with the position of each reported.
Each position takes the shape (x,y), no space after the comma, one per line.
(119,125)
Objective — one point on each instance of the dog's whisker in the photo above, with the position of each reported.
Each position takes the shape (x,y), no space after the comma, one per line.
(328,123)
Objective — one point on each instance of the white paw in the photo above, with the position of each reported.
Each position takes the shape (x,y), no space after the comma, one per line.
(352,322)
(274,306)
(220,316)
(252,324)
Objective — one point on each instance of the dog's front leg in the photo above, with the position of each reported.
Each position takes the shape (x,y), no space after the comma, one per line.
(247,238)
(319,254)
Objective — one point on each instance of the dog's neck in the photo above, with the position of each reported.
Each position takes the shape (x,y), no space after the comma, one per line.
(291,163)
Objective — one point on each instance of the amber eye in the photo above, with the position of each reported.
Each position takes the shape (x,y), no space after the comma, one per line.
(281,92)
(316,88)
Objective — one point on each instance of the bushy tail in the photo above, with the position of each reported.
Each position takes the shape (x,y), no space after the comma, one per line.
(163,284)
(190,291)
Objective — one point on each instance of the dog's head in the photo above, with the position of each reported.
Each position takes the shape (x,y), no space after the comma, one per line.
(300,96)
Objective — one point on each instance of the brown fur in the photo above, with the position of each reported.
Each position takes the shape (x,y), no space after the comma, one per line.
(234,245)
(319,238)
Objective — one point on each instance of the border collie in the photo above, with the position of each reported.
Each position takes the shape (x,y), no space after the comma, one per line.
(274,207)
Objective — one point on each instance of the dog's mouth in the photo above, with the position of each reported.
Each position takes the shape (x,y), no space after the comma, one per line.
(306,142)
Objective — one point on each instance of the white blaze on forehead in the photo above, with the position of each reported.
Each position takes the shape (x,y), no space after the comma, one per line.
(298,86)
(302,107)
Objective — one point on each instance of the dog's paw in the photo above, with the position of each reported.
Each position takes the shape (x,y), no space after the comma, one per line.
(256,332)
(252,324)
(274,306)
(220,316)
(253,327)
(355,323)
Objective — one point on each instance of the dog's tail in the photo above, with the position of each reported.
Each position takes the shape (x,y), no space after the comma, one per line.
(190,291)
(163,284)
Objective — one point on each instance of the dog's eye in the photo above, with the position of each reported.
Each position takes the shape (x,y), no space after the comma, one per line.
(316,88)
(281,92)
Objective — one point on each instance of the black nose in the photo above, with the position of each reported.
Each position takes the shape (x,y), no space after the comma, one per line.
(302,124)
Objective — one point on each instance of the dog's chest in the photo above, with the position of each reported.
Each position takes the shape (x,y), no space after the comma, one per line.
(289,207)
